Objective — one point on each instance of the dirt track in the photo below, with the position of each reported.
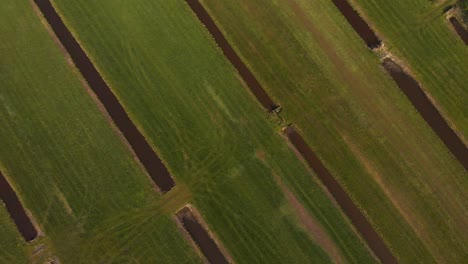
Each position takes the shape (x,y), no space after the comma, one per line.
(16,210)
(461,31)
(152,163)
(201,237)
(434,119)
(359,25)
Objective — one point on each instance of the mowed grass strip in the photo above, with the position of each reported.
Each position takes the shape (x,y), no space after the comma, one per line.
(79,180)
(355,118)
(12,245)
(421,36)
(210,131)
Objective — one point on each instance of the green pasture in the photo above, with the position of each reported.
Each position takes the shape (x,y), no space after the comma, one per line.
(12,246)
(210,131)
(74,174)
(364,129)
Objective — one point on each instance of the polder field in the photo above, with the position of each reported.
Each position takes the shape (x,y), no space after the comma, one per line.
(218,131)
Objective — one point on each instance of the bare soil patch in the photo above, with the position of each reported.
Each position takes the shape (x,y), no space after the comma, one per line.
(201,236)
(16,210)
(461,31)
(428,111)
(358,23)
(231,55)
(374,241)
(152,163)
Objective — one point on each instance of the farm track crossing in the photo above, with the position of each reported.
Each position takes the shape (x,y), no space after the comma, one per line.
(409,86)
(16,210)
(461,31)
(344,201)
(152,163)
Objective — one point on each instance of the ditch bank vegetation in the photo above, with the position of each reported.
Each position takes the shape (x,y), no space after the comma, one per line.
(146,155)
(16,210)
(357,218)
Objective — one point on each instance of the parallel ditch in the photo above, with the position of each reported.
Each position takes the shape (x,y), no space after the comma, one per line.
(359,25)
(428,111)
(200,236)
(231,55)
(16,210)
(339,194)
(351,210)
(152,163)
(461,31)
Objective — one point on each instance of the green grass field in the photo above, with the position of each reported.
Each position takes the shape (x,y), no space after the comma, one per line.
(212,134)
(12,246)
(419,34)
(351,113)
(71,170)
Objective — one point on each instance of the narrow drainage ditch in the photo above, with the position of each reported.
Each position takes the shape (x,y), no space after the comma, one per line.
(428,111)
(461,31)
(200,236)
(150,160)
(16,210)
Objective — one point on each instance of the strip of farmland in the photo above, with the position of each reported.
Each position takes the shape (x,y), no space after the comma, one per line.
(218,141)
(461,31)
(427,110)
(417,32)
(356,119)
(357,218)
(137,141)
(16,210)
(84,187)
(410,87)
(201,236)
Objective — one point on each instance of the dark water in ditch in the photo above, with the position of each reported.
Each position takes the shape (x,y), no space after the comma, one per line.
(16,210)
(201,237)
(344,201)
(231,55)
(139,144)
(359,25)
(461,31)
(434,119)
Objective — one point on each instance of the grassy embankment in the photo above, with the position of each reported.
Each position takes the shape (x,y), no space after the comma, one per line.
(354,116)
(212,134)
(70,168)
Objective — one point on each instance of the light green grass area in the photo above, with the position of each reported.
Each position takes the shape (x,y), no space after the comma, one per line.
(12,246)
(419,34)
(357,120)
(71,170)
(212,134)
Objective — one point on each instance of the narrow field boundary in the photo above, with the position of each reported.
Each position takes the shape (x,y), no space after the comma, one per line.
(339,194)
(358,23)
(427,110)
(16,210)
(232,56)
(350,209)
(461,31)
(150,160)
(192,224)
(410,87)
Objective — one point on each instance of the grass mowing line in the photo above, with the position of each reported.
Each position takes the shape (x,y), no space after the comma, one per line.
(428,111)
(461,31)
(152,163)
(411,88)
(339,194)
(347,205)
(16,210)
(192,223)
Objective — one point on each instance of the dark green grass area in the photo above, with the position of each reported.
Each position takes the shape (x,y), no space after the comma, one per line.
(212,134)
(365,130)
(70,168)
